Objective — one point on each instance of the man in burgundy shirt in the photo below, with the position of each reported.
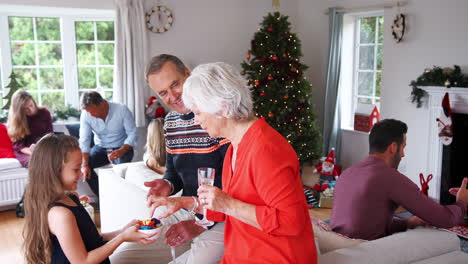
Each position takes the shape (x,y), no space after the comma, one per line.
(368,193)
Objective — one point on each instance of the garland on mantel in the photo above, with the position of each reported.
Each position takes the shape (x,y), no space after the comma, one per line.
(437,76)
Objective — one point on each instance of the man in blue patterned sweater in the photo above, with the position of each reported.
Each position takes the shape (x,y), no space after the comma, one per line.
(188,148)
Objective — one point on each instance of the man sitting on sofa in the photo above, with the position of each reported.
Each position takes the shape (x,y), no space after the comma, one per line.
(368,193)
(188,147)
(113,127)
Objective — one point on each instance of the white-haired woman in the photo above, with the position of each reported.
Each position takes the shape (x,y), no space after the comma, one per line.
(26,124)
(262,200)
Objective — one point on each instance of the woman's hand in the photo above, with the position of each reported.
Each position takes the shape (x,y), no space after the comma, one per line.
(173,204)
(215,199)
(130,234)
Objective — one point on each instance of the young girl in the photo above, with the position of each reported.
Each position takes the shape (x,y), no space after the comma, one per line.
(58,229)
(155,155)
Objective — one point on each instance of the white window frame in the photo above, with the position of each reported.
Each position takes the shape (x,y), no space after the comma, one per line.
(68,17)
(350,66)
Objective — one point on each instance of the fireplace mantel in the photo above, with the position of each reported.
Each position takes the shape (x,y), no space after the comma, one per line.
(459,104)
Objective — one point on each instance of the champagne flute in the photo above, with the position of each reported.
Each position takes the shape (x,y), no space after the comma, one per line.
(206,176)
(109,151)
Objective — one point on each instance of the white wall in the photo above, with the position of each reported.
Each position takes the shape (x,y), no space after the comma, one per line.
(93,4)
(436,35)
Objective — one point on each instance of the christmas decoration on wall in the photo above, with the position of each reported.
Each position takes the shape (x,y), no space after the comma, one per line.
(164,20)
(444,122)
(398,27)
(425,183)
(437,76)
(14,85)
(280,91)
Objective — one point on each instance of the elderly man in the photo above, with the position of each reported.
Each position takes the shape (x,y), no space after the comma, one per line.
(368,193)
(114,131)
(188,147)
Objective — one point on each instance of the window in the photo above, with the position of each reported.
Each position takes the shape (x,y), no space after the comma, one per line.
(58,53)
(361,72)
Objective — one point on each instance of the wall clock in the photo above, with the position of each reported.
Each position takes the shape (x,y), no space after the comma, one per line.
(398,27)
(164,19)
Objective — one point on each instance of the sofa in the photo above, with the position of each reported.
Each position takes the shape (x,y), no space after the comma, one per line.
(123,198)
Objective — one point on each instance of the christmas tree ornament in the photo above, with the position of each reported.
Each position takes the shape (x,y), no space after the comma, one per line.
(447,84)
(257,83)
(285,97)
(270,29)
(274,57)
(270,78)
(270,115)
(242,72)
(444,122)
(262,94)
(247,56)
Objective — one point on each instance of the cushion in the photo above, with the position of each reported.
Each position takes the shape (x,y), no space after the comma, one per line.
(6,147)
(137,173)
(9,163)
(329,240)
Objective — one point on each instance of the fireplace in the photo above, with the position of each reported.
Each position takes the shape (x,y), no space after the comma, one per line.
(446,162)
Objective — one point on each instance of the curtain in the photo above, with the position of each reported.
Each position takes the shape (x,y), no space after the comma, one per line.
(131,55)
(332,120)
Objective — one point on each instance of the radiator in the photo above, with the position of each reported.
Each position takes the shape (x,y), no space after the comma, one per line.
(12,184)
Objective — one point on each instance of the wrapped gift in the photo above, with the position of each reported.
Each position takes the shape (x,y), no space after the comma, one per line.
(326,198)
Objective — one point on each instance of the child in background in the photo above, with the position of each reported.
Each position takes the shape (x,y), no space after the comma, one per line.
(155,155)
(58,229)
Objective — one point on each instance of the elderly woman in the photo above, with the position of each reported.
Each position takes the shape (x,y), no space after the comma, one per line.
(262,201)
(26,124)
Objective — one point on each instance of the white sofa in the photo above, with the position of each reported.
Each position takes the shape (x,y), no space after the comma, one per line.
(123,198)
(13,179)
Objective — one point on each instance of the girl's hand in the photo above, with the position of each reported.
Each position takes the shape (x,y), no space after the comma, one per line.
(213,198)
(173,205)
(130,234)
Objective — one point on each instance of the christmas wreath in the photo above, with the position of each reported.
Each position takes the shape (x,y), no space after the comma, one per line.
(437,76)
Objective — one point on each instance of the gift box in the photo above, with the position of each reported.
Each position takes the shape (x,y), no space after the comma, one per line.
(326,201)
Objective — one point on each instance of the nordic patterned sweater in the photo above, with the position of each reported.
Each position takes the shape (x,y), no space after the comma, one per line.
(189,147)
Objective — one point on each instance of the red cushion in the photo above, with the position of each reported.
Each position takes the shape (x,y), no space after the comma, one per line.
(6,147)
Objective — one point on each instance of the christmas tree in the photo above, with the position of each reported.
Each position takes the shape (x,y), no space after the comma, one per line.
(13,86)
(281,93)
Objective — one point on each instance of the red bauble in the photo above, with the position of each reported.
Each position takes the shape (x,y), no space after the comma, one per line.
(270,115)
(270,78)
(262,94)
(274,57)
(286,97)
(257,83)
(270,29)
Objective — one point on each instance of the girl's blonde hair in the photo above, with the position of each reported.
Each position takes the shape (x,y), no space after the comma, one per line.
(17,123)
(155,146)
(44,187)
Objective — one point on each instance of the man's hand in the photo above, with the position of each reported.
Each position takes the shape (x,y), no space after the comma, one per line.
(173,204)
(415,221)
(118,153)
(158,187)
(86,172)
(462,192)
(178,234)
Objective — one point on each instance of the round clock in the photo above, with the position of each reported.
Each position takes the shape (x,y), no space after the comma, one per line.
(164,19)
(398,27)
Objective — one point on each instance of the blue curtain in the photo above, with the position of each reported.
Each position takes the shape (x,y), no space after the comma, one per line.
(332,120)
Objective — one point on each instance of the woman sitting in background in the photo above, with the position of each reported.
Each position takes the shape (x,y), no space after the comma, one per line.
(262,201)
(155,155)
(26,124)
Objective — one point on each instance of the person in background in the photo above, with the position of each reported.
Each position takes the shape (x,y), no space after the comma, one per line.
(113,128)
(26,124)
(368,193)
(58,229)
(262,201)
(155,155)
(188,148)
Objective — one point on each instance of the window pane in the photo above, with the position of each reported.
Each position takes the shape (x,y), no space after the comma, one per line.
(379,57)
(51,78)
(48,28)
(106,54)
(50,54)
(28,78)
(378,83)
(35,96)
(364,100)
(85,54)
(105,30)
(22,53)
(367,30)
(52,100)
(365,82)
(21,28)
(84,30)
(366,57)
(108,95)
(381,28)
(87,78)
(106,77)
